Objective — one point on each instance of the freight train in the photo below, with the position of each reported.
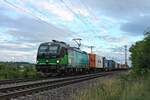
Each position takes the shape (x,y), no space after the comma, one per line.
(58,57)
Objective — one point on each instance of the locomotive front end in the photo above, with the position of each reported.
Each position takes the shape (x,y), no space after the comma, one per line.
(48,58)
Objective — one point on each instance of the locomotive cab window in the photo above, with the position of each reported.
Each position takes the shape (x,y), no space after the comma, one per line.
(43,48)
(53,49)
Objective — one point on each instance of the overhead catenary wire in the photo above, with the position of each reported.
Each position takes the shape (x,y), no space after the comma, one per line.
(73,12)
(38,18)
(27,12)
(21,9)
(93,14)
(82,20)
(87,21)
(89,10)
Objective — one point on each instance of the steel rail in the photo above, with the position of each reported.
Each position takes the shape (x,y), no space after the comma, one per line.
(20,90)
(11,81)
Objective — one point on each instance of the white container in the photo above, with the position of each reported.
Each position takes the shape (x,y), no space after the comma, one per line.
(99,61)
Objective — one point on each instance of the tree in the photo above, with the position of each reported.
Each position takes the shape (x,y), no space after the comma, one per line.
(140,53)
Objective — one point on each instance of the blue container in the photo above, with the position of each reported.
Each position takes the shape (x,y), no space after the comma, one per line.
(111,64)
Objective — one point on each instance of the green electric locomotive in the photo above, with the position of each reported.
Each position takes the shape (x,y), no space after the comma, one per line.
(58,57)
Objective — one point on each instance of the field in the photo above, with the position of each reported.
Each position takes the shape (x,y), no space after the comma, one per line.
(122,87)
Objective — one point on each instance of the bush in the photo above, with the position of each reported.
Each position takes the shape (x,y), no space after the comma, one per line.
(11,70)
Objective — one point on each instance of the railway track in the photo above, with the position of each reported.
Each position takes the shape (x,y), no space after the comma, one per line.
(27,88)
(12,81)
(9,81)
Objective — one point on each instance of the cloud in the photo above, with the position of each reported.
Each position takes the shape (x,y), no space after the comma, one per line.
(57,9)
(32,30)
(120,9)
(136,26)
(17,46)
(7,55)
(114,39)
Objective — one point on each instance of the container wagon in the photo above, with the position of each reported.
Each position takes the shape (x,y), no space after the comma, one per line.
(96,62)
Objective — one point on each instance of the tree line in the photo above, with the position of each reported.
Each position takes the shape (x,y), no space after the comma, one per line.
(140,54)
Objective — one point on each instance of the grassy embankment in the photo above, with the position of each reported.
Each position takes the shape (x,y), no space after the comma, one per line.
(14,70)
(124,87)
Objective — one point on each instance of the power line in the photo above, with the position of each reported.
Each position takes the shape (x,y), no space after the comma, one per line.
(38,18)
(86,24)
(82,20)
(93,14)
(27,12)
(87,21)
(72,11)
(88,9)
(19,8)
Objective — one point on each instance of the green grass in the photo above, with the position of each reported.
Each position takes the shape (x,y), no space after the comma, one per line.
(123,87)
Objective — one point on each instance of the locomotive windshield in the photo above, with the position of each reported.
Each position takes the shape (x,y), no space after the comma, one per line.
(52,49)
(43,48)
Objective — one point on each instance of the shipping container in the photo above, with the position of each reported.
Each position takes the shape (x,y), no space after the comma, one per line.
(99,61)
(92,63)
(111,64)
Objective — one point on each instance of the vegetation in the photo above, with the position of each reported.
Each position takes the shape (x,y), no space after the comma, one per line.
(14,70)
(140,55)
(132,86)
(117,89)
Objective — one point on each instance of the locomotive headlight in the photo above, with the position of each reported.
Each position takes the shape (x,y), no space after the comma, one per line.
(57,61)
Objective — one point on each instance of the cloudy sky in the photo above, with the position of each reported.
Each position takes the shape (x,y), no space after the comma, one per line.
(106,24)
